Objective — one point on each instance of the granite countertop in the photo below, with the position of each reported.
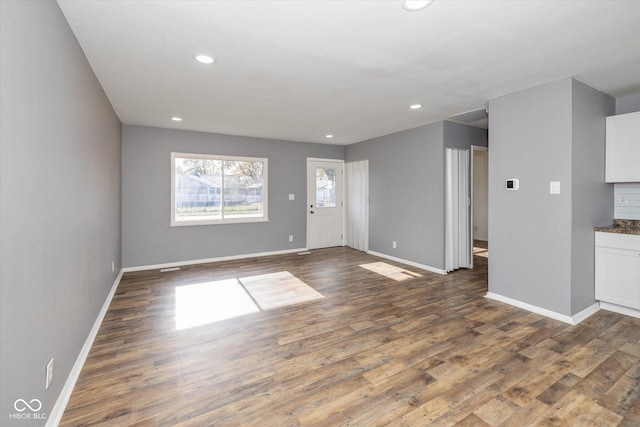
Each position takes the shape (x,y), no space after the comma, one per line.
(622,226)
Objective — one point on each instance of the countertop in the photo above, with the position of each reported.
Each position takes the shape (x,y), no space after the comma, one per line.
(622,226)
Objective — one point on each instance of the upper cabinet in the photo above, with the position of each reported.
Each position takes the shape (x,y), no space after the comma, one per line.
(623,148)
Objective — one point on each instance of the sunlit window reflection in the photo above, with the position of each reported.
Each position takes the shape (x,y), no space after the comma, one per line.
(390,271)
(202,303)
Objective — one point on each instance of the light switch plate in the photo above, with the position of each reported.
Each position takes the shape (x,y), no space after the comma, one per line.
(554,187)
(292,196)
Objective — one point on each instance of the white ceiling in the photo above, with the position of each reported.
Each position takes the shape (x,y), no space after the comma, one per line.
(297,70)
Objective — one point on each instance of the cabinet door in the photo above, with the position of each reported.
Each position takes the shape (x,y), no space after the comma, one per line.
(623,148)
(618,276)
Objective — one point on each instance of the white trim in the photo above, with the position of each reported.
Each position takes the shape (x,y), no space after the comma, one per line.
(620,309)
(54,417)
(189,223)
(571,320)
(587,312)
(318,159)
(207,260)
(411,263)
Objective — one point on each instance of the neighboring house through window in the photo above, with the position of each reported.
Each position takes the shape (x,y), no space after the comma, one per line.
(209,189)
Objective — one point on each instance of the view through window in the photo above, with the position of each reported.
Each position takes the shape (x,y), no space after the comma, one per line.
(210,189)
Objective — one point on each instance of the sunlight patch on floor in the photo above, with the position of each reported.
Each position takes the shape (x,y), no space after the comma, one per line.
(278,290)
(483,252)
(391,271)
(203,303)
(209,302)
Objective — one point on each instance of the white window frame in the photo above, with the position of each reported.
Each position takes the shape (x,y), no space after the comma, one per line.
(265,196)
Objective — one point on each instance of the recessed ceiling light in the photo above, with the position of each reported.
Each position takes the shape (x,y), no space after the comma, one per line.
(415,106)
(329,135)
(205,59)
(415,5)
(176,119)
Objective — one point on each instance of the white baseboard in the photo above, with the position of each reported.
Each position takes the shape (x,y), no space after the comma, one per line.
(207,260)
(572,320)
(411,263)
(587,312)
(620,309)
(55,416)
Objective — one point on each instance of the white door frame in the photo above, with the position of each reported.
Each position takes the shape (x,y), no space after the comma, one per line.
(474,148)
(341,200)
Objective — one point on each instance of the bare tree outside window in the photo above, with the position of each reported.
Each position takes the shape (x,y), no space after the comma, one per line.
(213,189)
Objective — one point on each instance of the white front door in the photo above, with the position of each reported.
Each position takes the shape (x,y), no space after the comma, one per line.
(325,204)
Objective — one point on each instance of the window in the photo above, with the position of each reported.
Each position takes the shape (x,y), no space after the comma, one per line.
(326,187)
(208,189)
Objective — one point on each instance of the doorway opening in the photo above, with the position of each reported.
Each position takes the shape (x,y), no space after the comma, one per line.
(480,200)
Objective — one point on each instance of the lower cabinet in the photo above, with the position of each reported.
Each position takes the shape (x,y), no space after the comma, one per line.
(617,263)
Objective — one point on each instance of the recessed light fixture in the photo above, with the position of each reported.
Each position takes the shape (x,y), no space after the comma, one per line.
(415,5)
(176,119)
(415,106)
(205,59)
(329,135)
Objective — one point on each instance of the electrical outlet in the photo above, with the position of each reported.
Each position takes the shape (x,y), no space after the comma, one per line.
(113,266)
(49,378)
(622,200)
(291,237)
(394,244)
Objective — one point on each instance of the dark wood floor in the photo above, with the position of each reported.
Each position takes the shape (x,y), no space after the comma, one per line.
(383,344)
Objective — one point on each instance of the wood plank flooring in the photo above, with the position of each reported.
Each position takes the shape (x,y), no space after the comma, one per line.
(384,344)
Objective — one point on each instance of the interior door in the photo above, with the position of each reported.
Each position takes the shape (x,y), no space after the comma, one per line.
(457,207)
(325,204)
(356,212)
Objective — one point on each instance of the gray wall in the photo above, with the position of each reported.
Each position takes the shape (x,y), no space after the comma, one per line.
(60,206)
(530,229)
(591,197)
(542,244)
(628,103)
(463,137)
(406,179)
(147,238)
(406,188)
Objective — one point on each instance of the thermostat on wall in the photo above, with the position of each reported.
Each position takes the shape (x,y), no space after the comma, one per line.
(513,183)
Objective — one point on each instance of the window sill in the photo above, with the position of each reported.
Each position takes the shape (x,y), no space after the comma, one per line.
(218,222)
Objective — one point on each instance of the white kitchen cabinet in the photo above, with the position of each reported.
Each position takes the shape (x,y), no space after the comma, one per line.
(622,162)
(617,269)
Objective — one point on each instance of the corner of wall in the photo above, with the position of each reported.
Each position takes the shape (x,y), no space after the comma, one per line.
(591,197)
